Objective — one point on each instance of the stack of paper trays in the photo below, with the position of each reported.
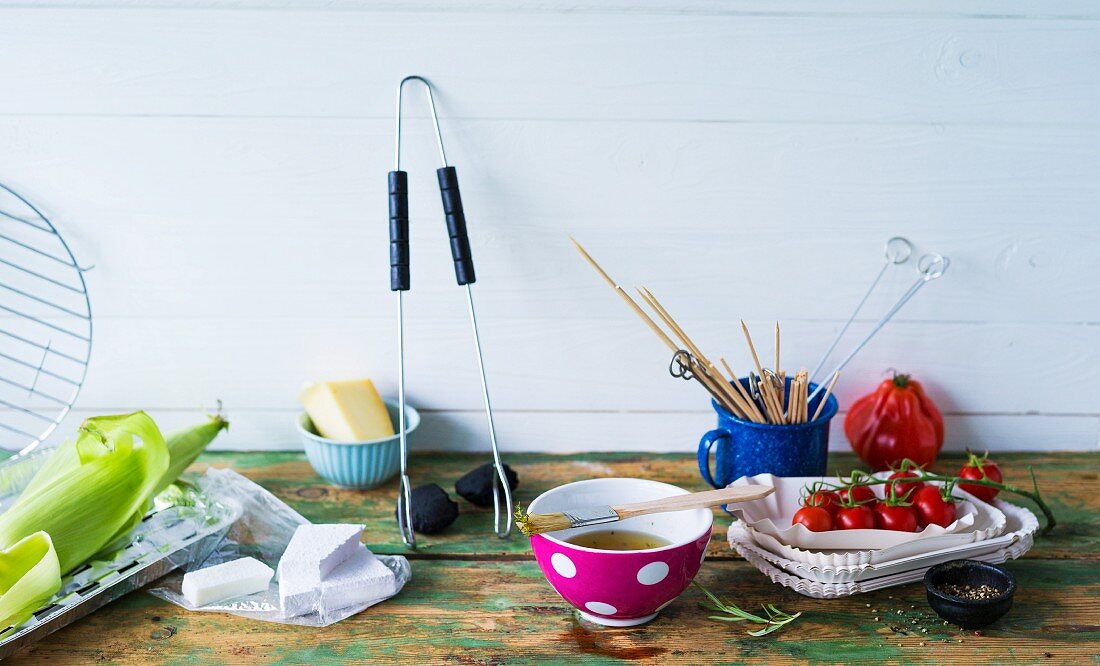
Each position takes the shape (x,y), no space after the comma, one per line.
(841,563)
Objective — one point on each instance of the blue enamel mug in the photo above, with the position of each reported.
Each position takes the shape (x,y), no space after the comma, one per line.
(744,448)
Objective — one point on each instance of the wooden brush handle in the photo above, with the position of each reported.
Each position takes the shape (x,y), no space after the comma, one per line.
(701,500)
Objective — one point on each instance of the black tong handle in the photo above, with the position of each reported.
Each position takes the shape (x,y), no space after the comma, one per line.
(456,225)
(399,231)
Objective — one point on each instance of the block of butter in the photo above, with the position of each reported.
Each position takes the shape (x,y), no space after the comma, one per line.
(225,581)
(347,411)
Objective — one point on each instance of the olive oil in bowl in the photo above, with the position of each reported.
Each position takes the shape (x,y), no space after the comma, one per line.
(618,540)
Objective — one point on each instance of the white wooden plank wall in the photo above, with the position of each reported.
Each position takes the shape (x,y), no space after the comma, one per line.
(223,166)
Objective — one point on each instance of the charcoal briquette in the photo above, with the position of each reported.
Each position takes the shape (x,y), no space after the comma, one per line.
(432,509)
(477,485)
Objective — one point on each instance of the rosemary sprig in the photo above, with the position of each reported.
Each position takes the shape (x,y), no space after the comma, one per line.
(775,619)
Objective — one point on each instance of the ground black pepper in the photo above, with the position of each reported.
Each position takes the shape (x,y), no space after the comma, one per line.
(972,592)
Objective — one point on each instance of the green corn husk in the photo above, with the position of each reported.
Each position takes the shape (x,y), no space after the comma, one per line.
(186,445)
(29,577)
(93,489)
(85,499)
(88,493)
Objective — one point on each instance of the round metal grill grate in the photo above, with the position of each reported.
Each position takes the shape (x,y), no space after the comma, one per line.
(45,325)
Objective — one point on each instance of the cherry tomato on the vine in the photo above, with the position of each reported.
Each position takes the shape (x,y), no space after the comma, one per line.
(980,468)
(901,489)
(825,499)
(931,507)
(813,518)
(859,517)
(858,494)
(896,517)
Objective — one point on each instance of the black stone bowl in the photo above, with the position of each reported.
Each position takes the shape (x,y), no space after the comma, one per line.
(969,613)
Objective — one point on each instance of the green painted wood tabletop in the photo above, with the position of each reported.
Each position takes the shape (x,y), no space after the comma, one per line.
(477,599)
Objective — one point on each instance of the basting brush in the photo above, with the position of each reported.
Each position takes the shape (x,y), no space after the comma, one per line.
(538,523)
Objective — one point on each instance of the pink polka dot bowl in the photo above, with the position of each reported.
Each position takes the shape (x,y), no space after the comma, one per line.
(621,588)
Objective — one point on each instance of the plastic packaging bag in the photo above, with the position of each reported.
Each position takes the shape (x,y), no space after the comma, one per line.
(263,532)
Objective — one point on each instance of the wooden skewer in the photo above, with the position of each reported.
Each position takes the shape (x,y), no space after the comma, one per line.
(780,405)
(625,296)
(796,407)
(775,395)
(771,401)
(792,402)
(777,409)
(802,405)
(641,314)
(783,393)
(714,385)
(731,396)
(771,408)
(745,404)
(649,299)
(825,398)
(700,367)
(803,387)
(752,349)
(759,370)
(776,368)
(652,301)
(793,412)
(753,410)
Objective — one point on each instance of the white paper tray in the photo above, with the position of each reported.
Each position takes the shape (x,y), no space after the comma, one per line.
(987,522)
(772,515)
(819,590)
(1021,526)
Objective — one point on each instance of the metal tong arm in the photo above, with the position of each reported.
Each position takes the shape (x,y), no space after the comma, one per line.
(400,280)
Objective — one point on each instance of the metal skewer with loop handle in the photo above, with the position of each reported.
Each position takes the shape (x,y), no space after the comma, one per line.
(930,267)
(400,282)
(897,251)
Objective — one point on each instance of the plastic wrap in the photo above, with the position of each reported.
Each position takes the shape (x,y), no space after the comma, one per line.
(263,531)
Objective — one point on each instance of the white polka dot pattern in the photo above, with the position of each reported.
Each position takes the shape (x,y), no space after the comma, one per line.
(563,565)
(601,608)
(652,573)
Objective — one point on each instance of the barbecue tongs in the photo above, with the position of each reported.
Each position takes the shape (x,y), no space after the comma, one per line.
(400,282)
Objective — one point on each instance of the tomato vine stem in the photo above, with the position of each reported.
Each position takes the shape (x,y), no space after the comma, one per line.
(859,478)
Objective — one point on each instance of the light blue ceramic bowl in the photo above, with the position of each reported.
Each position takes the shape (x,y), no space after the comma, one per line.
(357,464)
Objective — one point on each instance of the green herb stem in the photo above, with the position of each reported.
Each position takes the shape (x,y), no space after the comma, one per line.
(775,620)
(863,479)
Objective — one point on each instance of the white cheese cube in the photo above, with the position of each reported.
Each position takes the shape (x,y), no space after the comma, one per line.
(225,581)
(360,579)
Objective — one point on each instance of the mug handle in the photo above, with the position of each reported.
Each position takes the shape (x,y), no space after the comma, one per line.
(708,440)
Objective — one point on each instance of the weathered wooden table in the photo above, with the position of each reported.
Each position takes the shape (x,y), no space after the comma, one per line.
(476,599)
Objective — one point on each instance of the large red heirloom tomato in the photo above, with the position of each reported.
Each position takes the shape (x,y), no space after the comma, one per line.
(895,422)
